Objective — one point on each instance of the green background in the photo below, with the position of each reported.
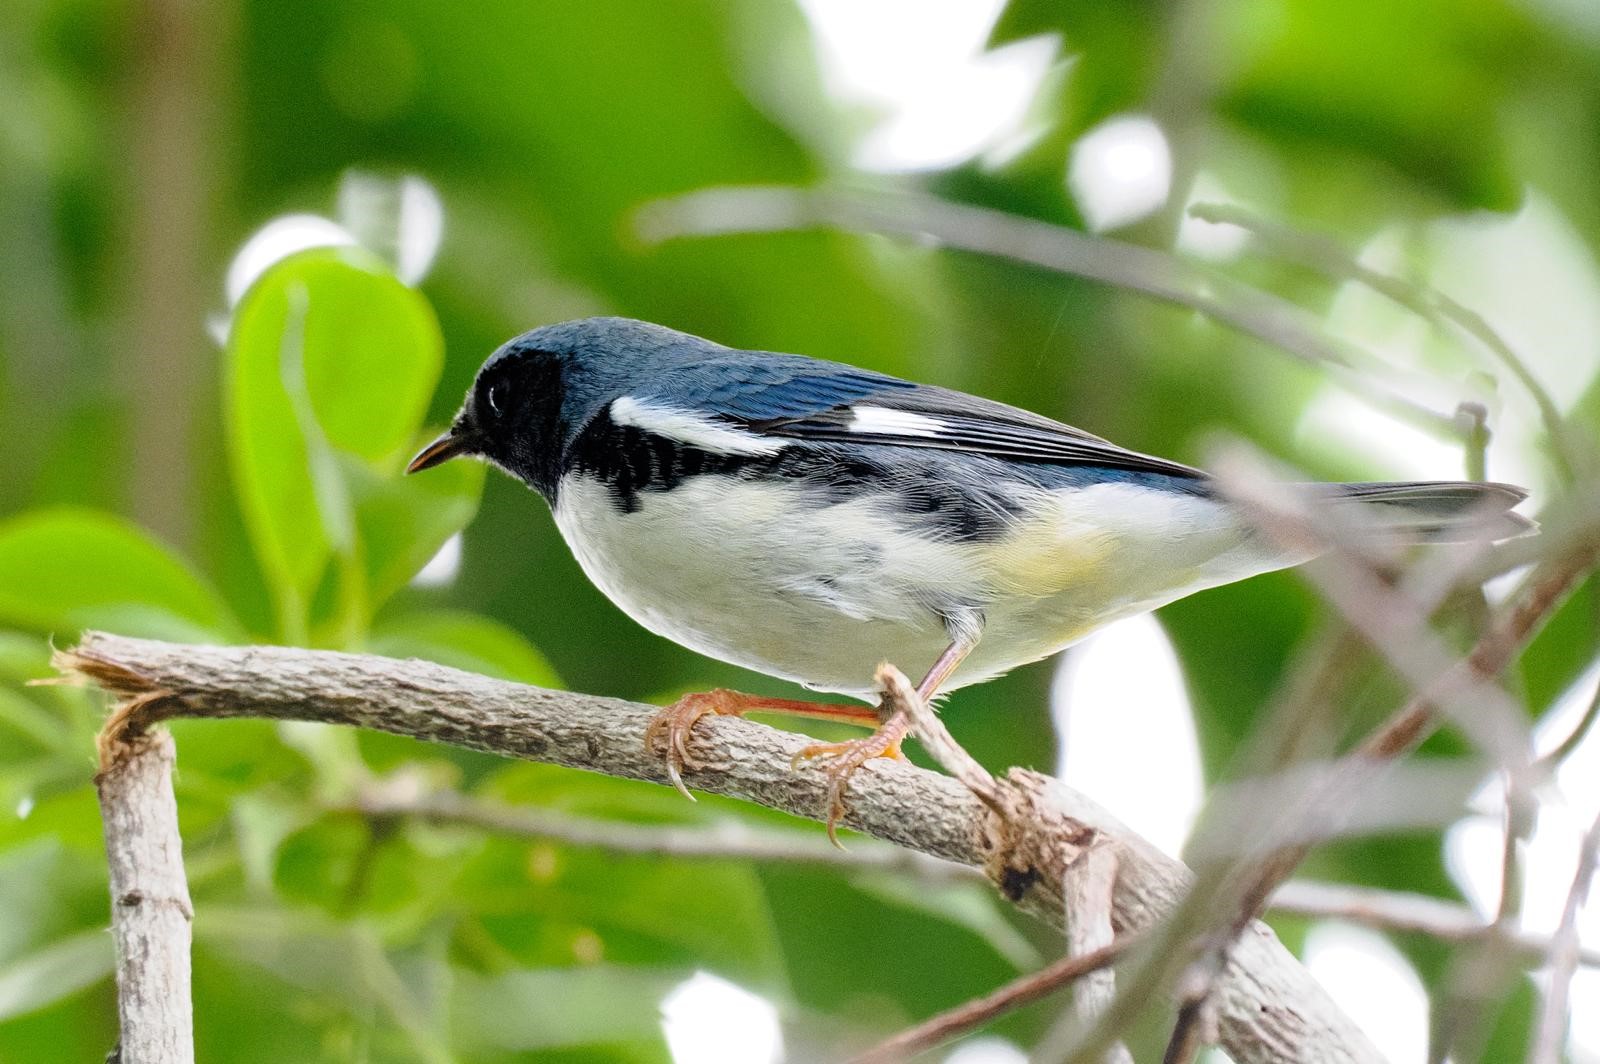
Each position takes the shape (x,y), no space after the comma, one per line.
(157,482)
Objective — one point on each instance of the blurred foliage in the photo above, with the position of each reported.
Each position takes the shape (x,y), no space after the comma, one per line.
(543,127)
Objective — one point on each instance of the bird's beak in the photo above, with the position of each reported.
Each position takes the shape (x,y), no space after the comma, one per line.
(451,445)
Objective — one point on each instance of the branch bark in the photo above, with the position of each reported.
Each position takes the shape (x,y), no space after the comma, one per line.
(150,910)
(1271,1009)
(1091,894)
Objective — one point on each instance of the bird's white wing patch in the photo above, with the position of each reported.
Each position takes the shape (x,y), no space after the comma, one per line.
(882,421)
(690,429)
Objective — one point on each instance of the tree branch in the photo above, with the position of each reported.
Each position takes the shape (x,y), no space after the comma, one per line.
(1397,626)
(1382,910)
(150,910)
(1565,953)
(971,1015)
(1328,255)
(1273,320)
(728,840)
(1091,888)
(1272,1010)
(1393,910)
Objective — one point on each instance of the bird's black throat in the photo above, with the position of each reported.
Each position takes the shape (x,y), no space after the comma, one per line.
(528,439)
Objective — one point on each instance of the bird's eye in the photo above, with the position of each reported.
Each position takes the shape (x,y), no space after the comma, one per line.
(496,398)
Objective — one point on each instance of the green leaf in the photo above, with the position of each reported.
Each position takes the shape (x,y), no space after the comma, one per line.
(343,965)
(23,657)
(404,522)
(24,717)
(1316,81)
(67,569)
(43,890)
(465,641)
(1324,78)
(54,972)
(550,1008)
(972,906)
(633,908)
(328,355)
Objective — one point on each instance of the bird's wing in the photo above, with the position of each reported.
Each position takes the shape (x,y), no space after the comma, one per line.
(773,398)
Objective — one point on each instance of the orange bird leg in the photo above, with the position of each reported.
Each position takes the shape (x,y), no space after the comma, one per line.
(674,722)
(843,759)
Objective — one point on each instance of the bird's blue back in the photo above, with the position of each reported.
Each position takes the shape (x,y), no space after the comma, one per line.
(793,395)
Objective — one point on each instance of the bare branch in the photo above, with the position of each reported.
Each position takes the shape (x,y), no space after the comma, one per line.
(1229,895)
(150,910)
(1091,886)
(1328,255)
(727,840)
(1278,322)
(974,1014)
(935,737)
(1392,910)
(1565,952)
(1272,1010)
(1545,590)
(1395,624)
(1548,762)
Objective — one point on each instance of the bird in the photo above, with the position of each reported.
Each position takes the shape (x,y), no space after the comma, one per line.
(810,519)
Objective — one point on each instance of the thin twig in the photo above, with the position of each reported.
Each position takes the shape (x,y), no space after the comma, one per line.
(1398,628)
(1580,731)
(1391,910)
(1565,952)
(1395,625)
(726,840)
(1544,591)
(1196,1025)
(974,1014)
(1239,889)
(1275,321)
(1188,950)
(1273,1010)
(935,737)
(1385,910)
(1327,255)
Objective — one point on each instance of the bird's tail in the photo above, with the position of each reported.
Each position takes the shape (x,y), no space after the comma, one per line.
(1440,511)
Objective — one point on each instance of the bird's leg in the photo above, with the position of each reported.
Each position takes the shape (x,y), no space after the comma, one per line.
(674,722)
(843,759)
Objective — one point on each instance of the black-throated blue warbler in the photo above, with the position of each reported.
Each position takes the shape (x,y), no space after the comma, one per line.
(808,519)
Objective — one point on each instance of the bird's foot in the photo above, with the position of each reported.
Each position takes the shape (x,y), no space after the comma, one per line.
(840,761)
(674,723)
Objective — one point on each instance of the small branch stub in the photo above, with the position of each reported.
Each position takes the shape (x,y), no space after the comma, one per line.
(150,909)
(1089,887)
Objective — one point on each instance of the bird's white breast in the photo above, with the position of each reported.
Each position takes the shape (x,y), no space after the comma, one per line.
(765,575)
(773,576)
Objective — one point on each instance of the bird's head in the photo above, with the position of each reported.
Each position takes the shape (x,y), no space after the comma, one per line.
(537,392)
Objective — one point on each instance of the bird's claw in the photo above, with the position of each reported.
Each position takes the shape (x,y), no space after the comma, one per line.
(840,761)
(673,725)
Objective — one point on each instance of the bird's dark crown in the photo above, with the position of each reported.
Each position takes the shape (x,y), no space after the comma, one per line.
(537,392)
